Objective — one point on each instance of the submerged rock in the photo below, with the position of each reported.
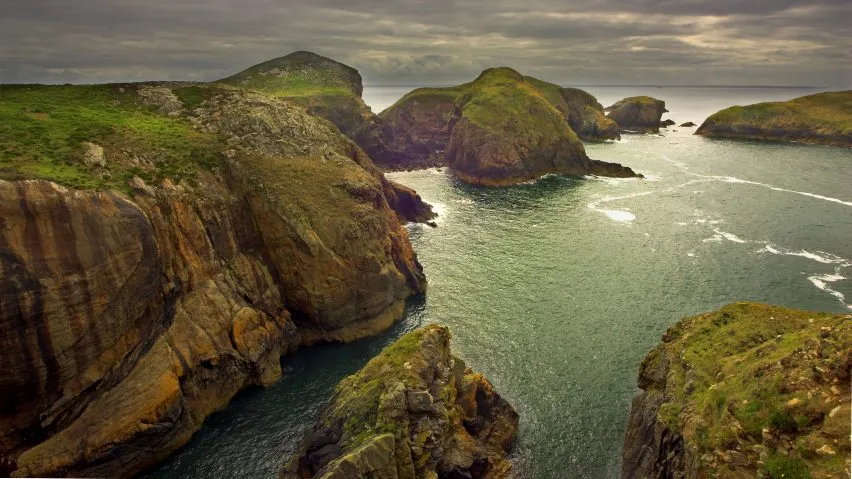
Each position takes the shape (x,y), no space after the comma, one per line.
(638,114)
(414,411)
(749,390)
(687,124)
(667,123)
(823,118)
(133,311)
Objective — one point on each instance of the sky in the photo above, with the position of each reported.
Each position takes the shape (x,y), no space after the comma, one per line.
(571,42)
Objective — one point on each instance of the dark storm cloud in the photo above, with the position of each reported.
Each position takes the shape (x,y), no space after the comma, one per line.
(578,42)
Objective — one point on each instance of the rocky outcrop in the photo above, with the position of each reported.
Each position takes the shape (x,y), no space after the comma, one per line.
(332,91)
(688,124)
(637,114)
(504,132)
(667,123)
(417,128)
(413,411)
(823,119)
(747,391)
(128,316)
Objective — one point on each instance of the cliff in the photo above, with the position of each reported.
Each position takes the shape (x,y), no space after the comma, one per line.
(417,128)
(824,119)
(161,246)
(749,390)
(638,114)
(332,91)
(414,411)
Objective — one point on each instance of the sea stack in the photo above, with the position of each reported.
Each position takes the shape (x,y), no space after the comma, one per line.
(414,411)
(637,114)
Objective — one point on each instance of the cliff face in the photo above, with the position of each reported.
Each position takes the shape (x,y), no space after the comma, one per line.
(413,411)
(747,391)
(131,313)
(824,119)
(638,114)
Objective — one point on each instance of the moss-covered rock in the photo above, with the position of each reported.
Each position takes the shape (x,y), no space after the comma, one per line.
(823,118)
(417,128)
(504,131)
(413,411)
(637,114)
(750,390)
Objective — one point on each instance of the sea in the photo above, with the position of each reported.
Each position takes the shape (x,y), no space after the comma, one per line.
(557,289)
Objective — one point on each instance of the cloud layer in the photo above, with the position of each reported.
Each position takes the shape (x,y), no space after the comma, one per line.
(582,42)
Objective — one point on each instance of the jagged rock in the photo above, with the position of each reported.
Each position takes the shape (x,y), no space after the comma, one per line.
(823,118)
(755,422)
(413,411)
(638,114)
(667,123)
(93,155)
(687,124)
(131,315)
(162,98)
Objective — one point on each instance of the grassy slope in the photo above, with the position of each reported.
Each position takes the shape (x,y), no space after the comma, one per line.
(503,102)
(42,129)
(300,74)
(820,114)
(735,371)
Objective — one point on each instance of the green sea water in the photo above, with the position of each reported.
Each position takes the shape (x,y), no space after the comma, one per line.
(557,289)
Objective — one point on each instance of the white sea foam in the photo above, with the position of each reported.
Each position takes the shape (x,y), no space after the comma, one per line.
(734,180)
(620,215)
(821,280)
(713,239)
(729,236)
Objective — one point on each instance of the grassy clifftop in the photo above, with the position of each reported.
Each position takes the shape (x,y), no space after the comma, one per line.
(46,132)
(748,389)
(823,118)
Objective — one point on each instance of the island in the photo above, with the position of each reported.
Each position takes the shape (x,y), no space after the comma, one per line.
(637,114)
(501,129)
(414,411)
(821,119)
(750,390)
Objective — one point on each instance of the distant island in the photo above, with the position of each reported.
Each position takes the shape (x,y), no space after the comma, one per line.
(823,119)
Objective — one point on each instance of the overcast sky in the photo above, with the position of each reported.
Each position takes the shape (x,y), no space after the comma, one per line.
(580,42)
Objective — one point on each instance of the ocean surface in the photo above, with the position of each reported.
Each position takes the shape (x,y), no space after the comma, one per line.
(557,289)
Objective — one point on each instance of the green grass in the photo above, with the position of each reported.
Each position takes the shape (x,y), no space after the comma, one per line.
(739,362)
(300,74)
(826,113)
(784,467)
(42,129)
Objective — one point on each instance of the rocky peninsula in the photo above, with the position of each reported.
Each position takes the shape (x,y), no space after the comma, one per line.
(637,114)
(414,411)
(822,119)
(164,245)
(750,390)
